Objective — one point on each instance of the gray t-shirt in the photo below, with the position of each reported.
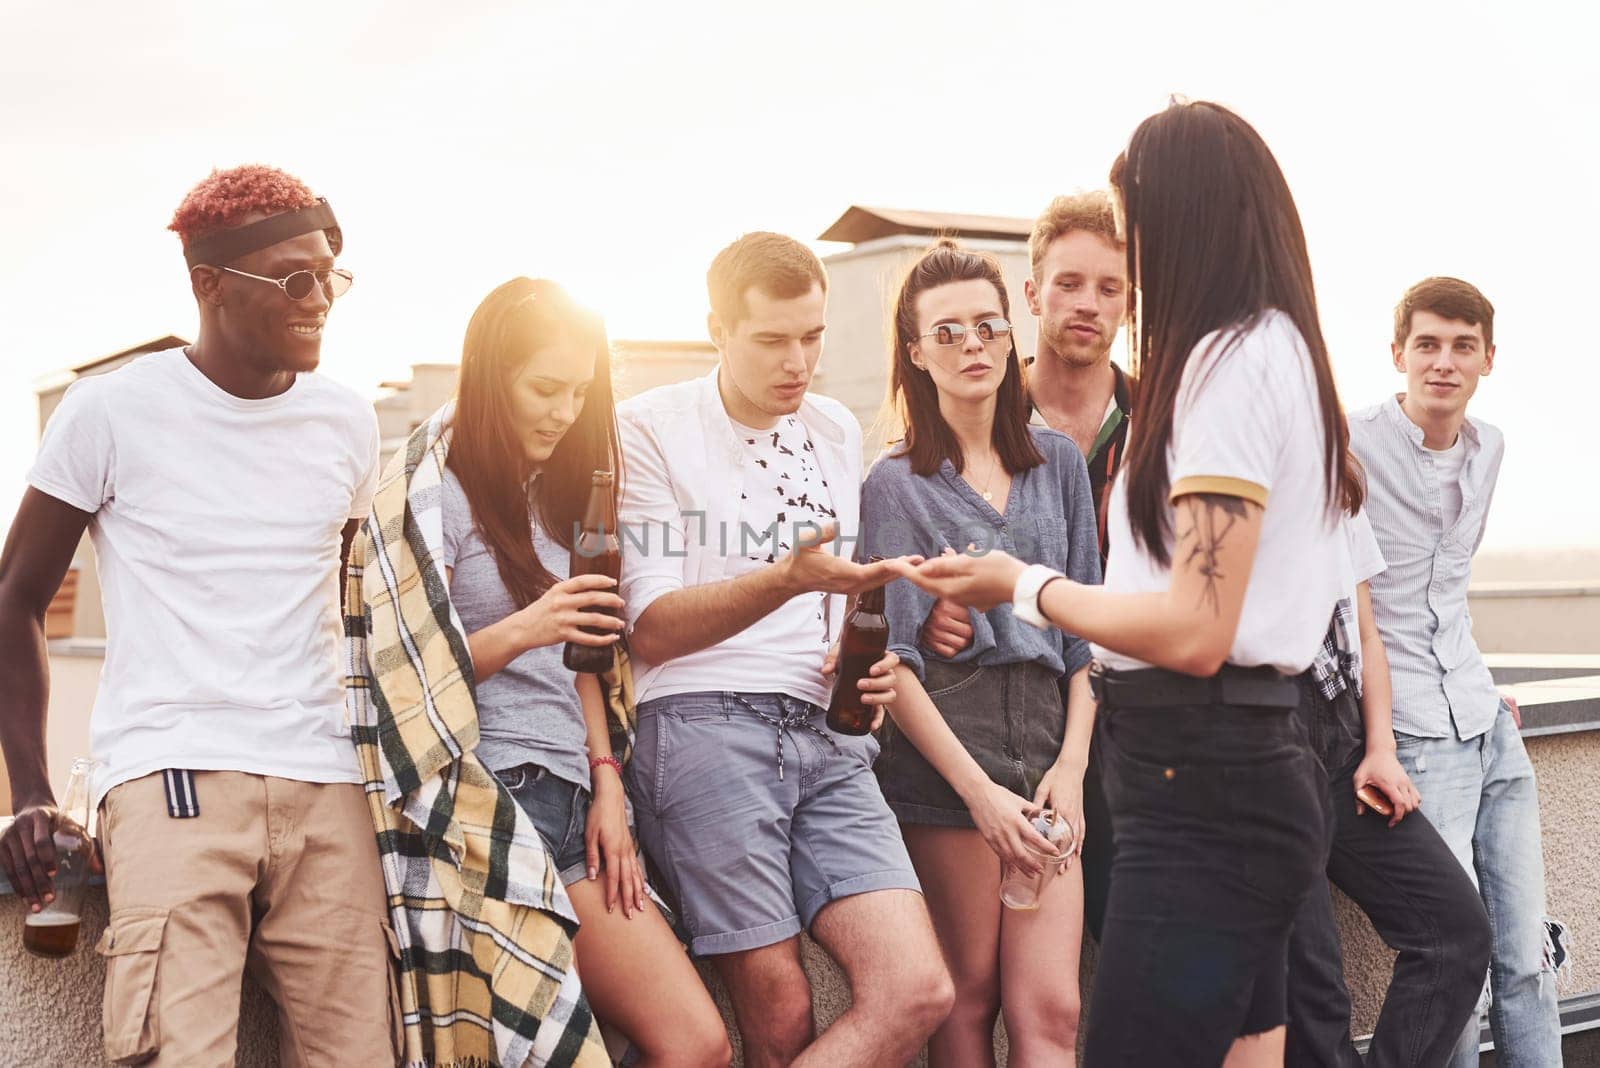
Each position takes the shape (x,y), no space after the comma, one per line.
(528,711)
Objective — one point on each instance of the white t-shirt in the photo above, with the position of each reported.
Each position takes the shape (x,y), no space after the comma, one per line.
(1247,424)
(217,524)
(1447,469)
(782,652)
(1366,557)
(1364,560)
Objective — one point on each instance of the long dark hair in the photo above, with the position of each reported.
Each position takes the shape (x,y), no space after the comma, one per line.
(488,455)
(1214,241)
(913,399)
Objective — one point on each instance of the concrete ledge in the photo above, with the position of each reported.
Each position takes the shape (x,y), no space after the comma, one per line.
(1553,699)
(1557,588)
(52,1016)
(77,647)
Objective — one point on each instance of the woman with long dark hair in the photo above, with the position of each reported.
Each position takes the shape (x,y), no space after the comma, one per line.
(533,421)
(1224,570)
(980,743)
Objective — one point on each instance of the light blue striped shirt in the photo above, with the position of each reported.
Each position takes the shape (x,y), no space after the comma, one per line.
(1442,687)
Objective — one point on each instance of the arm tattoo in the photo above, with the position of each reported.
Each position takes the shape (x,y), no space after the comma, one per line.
(1210,516)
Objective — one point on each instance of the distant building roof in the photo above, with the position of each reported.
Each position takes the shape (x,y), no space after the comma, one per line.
(656,345)
(860,224)
(170,341)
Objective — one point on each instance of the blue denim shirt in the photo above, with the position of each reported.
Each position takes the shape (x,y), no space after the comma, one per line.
(1441,685)
(1049,519)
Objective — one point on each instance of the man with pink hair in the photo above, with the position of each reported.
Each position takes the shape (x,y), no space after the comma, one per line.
(221,484)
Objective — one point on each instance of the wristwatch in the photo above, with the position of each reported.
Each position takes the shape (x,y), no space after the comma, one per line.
(1025,597)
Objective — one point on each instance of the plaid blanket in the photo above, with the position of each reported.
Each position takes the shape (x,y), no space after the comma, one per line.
(1337,663)
(483,924)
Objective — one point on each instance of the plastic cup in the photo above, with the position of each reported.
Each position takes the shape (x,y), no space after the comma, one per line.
(1021,891)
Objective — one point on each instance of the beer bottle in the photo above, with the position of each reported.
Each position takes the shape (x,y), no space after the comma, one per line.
(596,551)
(866,637)
(53,930)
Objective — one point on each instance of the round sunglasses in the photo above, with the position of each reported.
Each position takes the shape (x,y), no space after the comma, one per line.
(956,334)
(335,282)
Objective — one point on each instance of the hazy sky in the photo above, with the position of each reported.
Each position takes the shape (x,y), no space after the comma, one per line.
(616,147)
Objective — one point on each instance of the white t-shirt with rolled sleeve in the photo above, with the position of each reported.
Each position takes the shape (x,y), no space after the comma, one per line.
(217,524)
(1366,556)
(1247,424)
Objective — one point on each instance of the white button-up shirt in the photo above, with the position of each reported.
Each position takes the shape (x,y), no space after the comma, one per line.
(679,517)
(1441,685)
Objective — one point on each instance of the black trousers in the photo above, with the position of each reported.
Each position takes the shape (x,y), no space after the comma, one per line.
(1099,840)
(1099,847)
(1423,905)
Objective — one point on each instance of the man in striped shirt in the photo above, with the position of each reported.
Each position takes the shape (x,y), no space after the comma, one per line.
(1431,472)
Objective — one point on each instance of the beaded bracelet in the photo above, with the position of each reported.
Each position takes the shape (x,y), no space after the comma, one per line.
(595,762)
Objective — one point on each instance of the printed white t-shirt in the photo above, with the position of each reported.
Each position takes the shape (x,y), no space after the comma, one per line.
(217,524)
(780,652)
(1247,424)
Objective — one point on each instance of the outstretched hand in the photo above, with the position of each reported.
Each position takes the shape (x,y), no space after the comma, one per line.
(979,582)
(813,567)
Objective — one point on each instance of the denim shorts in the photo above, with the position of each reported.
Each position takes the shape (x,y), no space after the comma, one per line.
(560,812)
(1009,717)
(1221,817)
(757,816)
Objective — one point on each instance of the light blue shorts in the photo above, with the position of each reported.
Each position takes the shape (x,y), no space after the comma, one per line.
(758,816)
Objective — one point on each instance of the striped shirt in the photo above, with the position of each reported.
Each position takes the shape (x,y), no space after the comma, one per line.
(1442,688)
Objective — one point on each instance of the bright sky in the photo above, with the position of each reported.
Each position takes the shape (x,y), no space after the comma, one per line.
(615,147)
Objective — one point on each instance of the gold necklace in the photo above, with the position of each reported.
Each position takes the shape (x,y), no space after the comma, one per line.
(986,493)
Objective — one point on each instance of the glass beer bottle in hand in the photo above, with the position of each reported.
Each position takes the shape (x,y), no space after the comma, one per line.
(596,551)
(865,639)
(53,930)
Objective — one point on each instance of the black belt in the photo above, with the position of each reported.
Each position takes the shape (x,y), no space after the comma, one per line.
(1261,687)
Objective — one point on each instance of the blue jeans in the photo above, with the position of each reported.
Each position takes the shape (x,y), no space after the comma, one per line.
(1481,797)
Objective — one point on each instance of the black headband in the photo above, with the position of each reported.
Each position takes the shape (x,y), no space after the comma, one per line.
(225,246)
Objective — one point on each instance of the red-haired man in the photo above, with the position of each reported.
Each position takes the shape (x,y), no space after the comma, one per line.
(221,484)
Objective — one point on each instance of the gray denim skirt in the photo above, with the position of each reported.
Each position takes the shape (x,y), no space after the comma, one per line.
(1009,717)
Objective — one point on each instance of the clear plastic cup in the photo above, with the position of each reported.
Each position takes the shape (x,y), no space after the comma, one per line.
(1022,891)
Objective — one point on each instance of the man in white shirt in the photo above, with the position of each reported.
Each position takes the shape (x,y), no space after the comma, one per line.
(221,485)
(763,821)
(1431,472)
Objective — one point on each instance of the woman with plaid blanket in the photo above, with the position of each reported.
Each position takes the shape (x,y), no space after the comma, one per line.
(494,491)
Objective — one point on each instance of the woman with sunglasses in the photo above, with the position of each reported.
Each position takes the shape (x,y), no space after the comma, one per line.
(1225,564)
(980,743)
(533,421)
